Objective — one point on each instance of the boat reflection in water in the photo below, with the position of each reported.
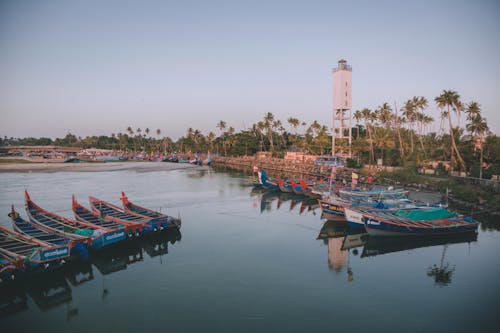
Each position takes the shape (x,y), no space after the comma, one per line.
(333,233)
(342,241)
(267,198)
(441,273)
(52,289)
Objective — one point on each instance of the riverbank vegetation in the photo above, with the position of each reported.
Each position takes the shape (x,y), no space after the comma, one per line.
(396,137)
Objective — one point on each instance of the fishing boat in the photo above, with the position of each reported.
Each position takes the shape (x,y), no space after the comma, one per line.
(96,237)
(284,185)
(355,218)
(332,208)
(9,266)
(378,194)
(296,187)
(416,222)
(26,227)
(111,212)
(266,182)
(167,222)
(333,205)
(33,253)
(84,214)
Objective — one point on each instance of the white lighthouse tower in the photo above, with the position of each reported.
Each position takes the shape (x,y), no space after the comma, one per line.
(342,103)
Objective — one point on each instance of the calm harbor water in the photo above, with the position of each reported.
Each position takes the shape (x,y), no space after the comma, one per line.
(246,261)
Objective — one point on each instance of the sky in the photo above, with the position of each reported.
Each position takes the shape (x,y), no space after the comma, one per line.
(95,67)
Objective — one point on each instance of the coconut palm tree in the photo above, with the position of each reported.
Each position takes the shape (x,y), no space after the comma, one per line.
(449,101)
(420,104)
(478,127)
(369,117)
(211,138)
(294,123)
(357,116)
(260,128)
(409,114)
(222,128)
(397,128)
(269,125)
(384,115)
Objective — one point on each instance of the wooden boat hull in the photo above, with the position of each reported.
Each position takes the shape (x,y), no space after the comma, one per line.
(53,223)
(33,253)
(377,225)
(166,221)
(86,215)
(115,213)
(354,218)
(331,208)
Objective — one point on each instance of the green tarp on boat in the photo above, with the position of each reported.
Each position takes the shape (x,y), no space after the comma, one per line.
(425,213)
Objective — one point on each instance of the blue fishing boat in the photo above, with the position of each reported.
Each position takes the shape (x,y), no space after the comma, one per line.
(10,266)
(284,185)
(416,222)
(29,229)
(266,182)
(111,212)
(95,237)
(34,254)
(84,214)
(166,221)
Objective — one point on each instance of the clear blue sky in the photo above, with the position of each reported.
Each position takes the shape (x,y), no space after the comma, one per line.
(95,67)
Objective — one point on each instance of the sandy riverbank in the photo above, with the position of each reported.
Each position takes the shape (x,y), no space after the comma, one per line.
(93,167)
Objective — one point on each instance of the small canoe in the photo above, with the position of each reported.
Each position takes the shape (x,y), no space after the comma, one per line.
(167,222)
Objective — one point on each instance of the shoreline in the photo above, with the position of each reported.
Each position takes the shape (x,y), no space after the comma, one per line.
(94,167)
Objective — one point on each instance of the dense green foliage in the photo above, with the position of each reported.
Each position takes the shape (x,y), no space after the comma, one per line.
(396,137)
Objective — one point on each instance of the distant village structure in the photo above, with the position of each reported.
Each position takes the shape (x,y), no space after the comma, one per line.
(342,104)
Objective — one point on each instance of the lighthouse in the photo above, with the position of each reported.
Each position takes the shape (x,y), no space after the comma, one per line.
(342,115)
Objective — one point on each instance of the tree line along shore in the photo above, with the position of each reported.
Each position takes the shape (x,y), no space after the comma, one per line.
(397,137)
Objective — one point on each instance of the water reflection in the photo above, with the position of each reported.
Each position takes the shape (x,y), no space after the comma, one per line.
(13,299)
(380,245)
(333,233)
(53,289)
(266,199)
(342,242)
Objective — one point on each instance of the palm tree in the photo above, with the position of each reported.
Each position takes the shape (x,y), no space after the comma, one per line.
(260,128)
(369,117)
(131,133)
(477,127)
(450,100)
(211,138)
(384,114)
(222,128)
(397,126)
(409,114)
(294,123)
(357,116)
(268,122)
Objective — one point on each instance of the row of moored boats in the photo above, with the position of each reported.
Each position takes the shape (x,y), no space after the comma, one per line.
(381,211)
(46,240)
